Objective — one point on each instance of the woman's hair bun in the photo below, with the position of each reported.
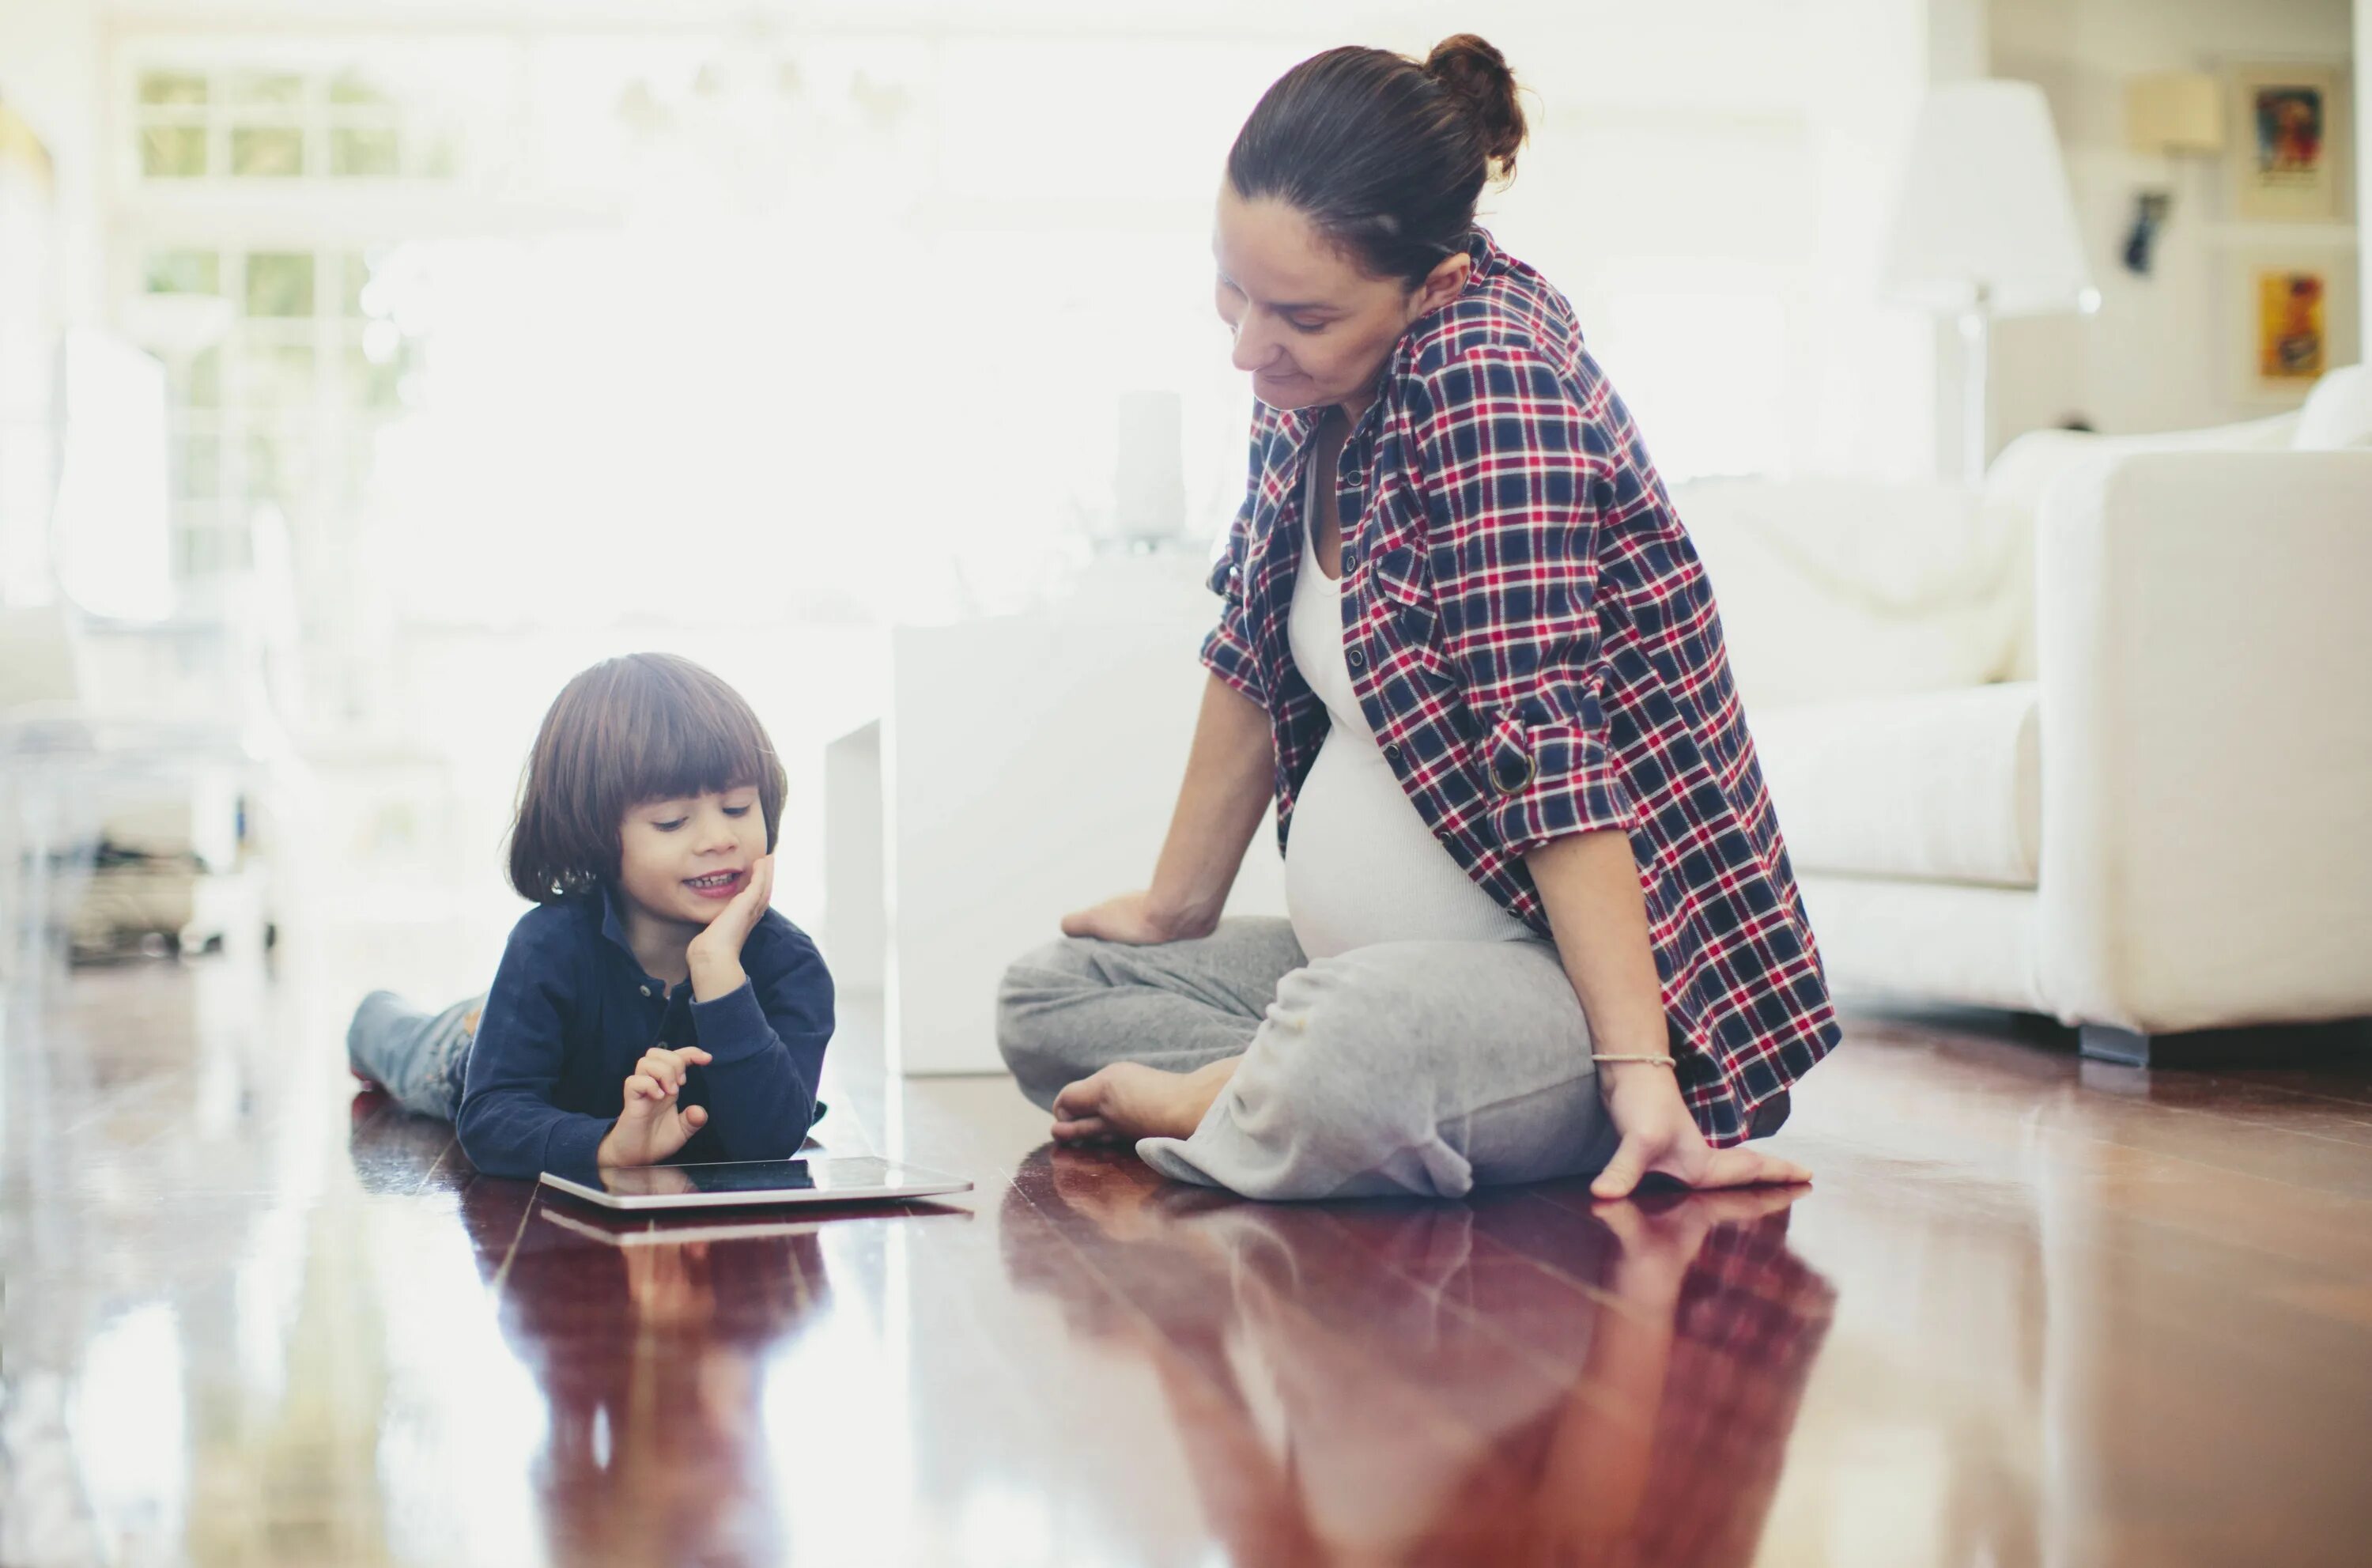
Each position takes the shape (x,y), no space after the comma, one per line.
(1478,76)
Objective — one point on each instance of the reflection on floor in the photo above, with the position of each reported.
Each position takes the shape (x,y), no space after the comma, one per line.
(2033,1311)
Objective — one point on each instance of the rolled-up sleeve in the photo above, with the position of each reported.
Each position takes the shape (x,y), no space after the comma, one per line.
(1514,472)
(1229,651)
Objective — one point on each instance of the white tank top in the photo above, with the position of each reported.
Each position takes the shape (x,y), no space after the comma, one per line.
(1360,865)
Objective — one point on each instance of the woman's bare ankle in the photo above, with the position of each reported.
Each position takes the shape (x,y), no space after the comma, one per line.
(1204,1083)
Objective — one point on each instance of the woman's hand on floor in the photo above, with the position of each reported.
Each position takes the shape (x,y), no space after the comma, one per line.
(654,1122)
(1660,1137)
(1132,918)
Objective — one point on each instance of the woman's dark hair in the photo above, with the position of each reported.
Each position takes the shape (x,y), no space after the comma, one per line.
(1386,156)
(646,727)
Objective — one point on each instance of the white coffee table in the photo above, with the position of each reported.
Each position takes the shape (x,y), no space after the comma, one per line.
(1026,766)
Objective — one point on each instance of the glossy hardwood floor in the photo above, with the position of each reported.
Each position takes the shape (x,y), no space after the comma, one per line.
(2034,1311)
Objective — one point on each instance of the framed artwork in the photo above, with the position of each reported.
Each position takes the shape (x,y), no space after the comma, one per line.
(2294,318)
(2290,132)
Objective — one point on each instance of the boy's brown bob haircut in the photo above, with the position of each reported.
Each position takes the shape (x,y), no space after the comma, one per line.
(642,727)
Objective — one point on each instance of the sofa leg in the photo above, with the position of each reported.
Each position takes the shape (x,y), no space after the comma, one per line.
(2043,1029)
(2262,1045)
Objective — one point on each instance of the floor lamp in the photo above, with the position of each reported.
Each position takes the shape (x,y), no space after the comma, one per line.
(1984,228)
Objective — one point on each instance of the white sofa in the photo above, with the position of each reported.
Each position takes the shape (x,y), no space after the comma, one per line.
(2093,742)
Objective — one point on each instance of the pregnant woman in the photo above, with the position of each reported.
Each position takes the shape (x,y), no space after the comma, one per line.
(1542,922)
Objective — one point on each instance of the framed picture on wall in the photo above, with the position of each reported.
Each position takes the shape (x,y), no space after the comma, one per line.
(2291,128)
(2294,318)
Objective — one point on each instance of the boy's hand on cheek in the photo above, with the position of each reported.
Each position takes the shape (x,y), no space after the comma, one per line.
(653,1123)
(714,955)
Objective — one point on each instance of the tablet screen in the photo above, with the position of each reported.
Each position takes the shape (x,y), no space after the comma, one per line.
(759,1176)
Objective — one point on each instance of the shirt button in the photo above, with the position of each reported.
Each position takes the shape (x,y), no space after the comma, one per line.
(1357,658)
(646,991)
(1393,752)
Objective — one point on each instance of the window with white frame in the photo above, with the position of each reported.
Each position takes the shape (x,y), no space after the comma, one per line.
(263,120)
(804,301)
(282,408)
(264,187)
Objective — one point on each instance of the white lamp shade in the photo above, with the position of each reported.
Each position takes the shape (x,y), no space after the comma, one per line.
(1985,206)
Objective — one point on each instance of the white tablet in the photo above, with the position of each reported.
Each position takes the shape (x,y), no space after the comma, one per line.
(744,1182)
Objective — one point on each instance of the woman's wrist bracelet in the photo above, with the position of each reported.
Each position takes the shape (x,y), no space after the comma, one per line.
(1663,1060)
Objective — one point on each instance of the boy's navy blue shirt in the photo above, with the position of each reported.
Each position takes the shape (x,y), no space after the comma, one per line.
(571,1011)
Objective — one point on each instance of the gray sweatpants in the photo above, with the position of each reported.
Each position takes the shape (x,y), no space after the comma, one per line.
(1408,1067)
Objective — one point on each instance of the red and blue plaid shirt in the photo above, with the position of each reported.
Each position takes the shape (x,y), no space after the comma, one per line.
(1535,643)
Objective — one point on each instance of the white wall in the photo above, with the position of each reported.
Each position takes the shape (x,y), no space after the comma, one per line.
(50,76)
(2158,355)
(49,242)
(1959,50)
(2363,159)
(1692,162)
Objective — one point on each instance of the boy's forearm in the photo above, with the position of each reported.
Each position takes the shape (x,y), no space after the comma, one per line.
(761,1099)
(521,1141)
(761,1079)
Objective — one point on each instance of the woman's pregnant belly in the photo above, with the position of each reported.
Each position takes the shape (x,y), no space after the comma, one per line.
(1360,867)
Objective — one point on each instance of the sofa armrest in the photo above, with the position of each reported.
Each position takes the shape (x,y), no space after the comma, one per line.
(2039,461)
(2205,643)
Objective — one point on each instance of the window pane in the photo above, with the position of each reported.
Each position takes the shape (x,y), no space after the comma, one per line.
(267,151)
(212,549)
(203,387)
(355,473)
(280,375)
(201,465)
(266,87)
(184,271)
(442,159)
(376,384)
(353,277)
(363,154)
(353,86)
(173,152)
(172,87)
(280,282)
(278,468)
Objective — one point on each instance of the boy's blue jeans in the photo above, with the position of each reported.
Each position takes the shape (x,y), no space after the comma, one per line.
(420,1058)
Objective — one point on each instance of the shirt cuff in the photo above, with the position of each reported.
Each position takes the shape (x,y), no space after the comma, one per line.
(1230,658)
(571,1148)
(733,1026)
(1549,781)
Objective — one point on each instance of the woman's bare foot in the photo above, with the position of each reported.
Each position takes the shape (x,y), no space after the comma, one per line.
(1129,1100)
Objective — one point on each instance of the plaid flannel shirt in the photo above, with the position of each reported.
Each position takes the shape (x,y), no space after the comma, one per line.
(1534,642)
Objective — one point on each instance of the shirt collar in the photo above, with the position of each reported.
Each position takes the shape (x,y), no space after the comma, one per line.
(1488,260)
(1489,263)
(613,927)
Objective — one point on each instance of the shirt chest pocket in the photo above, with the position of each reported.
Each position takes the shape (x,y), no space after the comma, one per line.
(1404,621)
